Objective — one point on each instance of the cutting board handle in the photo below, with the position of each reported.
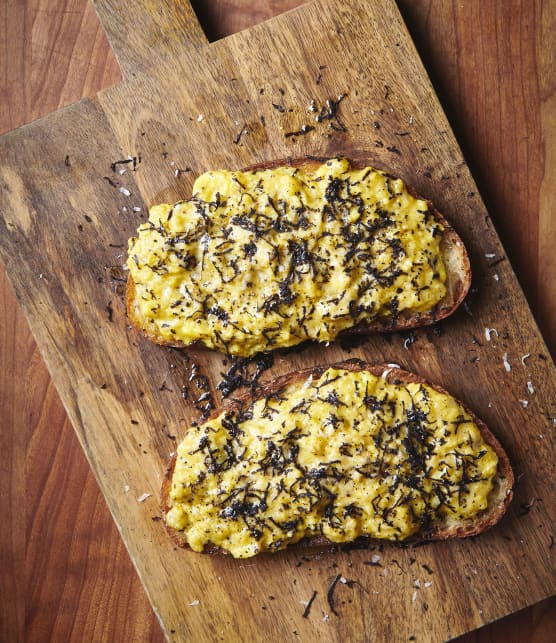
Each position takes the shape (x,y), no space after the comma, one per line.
(147,33)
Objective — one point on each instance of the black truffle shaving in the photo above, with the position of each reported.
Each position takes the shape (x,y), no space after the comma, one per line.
(245,372)
(307,609)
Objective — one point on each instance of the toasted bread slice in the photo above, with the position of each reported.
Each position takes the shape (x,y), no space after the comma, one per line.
(443,444)
(276,275)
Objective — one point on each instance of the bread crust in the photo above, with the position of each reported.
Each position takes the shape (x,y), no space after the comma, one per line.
(456,259)
(500,496)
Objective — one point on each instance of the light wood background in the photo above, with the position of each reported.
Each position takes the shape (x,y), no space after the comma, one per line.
(65,573)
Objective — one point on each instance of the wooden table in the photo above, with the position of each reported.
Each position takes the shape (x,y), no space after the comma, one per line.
(65,573)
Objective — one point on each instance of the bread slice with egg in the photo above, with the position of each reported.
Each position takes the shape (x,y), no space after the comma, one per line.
(328,455)
(282,253)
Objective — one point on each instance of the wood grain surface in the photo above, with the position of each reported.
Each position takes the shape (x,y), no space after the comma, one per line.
(65,573)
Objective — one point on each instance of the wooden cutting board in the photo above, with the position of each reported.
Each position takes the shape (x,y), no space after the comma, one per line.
(187,104)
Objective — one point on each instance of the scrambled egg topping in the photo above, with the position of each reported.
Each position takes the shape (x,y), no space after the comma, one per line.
(344,455)
(262,260)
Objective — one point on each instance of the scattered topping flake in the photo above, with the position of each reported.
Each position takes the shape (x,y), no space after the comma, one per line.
(194,603)
(330,594)
(489,332)
(329,113)
(200,118)
(525,357)
(110,181)
(507,365)
(524,403)
(304,129)
(245,372)
(125,191)
(390,368)
(308,604)
(238,136)
(530,388)
(408,341)
(143,497)
(133,160)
